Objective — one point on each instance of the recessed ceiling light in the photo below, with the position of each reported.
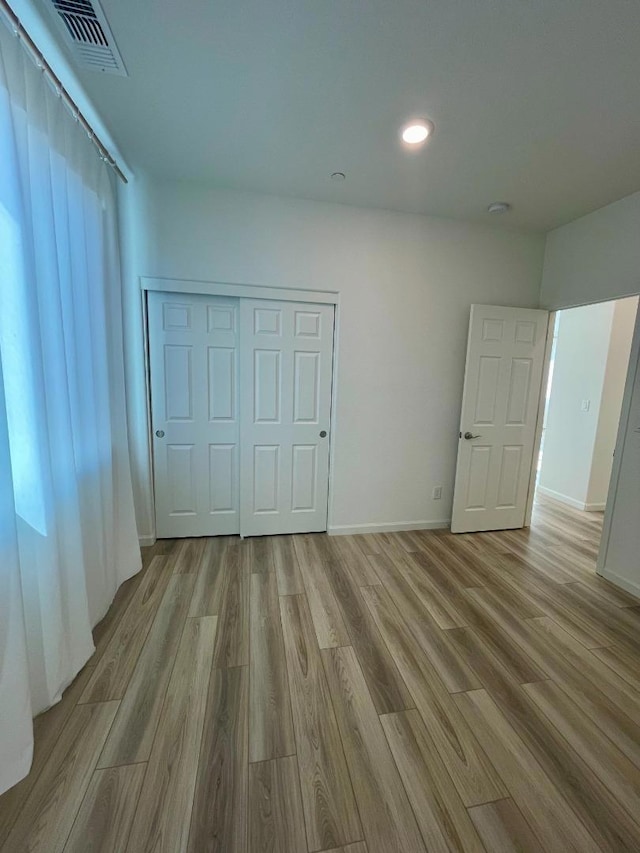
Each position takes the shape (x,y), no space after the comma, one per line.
(338,176)
(417,132)
(499,207)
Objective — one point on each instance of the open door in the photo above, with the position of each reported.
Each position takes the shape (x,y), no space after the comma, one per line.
(503,375)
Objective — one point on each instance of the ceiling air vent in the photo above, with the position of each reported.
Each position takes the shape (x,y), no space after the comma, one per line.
(88,35)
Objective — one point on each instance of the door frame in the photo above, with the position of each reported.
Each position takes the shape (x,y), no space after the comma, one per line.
(633,367)
(251,291)
(542,401)
(621,437)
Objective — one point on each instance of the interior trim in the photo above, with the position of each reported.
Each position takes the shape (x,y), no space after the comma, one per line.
(386,527)
(250,291)
(624,583)
(573,502)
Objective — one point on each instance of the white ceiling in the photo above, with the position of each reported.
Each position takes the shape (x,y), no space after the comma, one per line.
(536,102)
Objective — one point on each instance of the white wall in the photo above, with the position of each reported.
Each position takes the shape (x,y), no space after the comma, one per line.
(406,283)
(580,361)
(591,359)
(595,258)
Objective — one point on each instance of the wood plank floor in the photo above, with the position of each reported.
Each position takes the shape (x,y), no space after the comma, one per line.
(366,694)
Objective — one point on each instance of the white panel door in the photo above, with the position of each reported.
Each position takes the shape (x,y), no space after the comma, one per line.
(193,355)
(503,374)
(285,398)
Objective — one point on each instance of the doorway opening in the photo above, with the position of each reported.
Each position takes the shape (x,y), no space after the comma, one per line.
(583,401)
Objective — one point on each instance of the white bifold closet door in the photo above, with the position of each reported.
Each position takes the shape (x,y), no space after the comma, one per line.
(241,406)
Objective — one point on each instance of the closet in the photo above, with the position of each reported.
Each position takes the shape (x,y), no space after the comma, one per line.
(240,413)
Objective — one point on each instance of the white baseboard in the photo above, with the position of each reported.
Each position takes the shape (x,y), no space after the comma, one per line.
(631,587)
(386,527)
(350,529)
(565,499)
(558,496)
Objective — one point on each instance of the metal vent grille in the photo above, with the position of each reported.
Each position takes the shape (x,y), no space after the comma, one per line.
(88,35)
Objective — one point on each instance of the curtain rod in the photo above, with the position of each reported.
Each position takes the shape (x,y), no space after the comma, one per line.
(66,97)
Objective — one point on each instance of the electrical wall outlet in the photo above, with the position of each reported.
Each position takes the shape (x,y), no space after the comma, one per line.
(437,493)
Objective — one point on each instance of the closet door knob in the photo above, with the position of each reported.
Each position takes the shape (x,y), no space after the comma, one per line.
(160,433)
(323,433)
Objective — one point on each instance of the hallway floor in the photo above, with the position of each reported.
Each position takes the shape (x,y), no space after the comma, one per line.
(370,694)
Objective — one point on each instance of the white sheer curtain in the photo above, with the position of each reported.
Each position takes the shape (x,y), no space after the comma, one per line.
(67,527)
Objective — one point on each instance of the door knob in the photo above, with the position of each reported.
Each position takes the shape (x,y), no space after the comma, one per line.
(160,433)
(323,433)
(469,436)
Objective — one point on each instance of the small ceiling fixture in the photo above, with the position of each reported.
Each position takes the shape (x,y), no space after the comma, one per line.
(417,132)
(338,176)
(499,207)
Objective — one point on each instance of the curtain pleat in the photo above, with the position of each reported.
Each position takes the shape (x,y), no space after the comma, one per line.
(68,526)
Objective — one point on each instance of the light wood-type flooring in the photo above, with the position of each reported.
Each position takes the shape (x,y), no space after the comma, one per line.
(360,694)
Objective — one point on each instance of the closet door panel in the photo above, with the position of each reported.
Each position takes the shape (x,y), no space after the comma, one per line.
(193,355)
(286,370)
